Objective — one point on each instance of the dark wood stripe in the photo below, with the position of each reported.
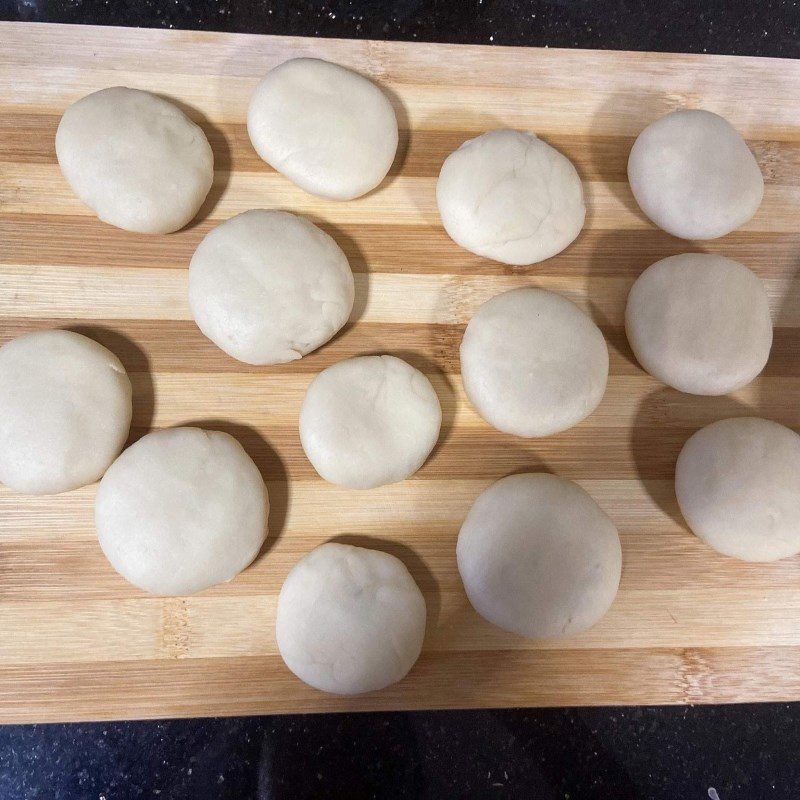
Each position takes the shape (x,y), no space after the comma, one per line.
(413,249)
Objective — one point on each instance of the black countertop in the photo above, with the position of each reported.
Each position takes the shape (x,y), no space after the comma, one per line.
(726,752)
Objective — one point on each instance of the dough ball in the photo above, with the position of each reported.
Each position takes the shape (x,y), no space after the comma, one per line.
(510,196)
(539,557)
(268,287)
(135,159)
(369,421)
(181,510)
(533,363)
(326,128)
(65,411)
(694,176)
(350,620)
(699,323)
(738,487)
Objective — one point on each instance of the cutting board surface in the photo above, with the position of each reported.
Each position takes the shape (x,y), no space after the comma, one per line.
(688,625)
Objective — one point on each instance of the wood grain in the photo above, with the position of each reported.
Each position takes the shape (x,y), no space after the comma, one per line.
(688,626)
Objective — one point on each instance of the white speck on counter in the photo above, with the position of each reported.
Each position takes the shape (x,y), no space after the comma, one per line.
(712,793)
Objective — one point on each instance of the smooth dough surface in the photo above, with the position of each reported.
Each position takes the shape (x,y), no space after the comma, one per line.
(533,363)
(700,323)
(326,128)
(693,174)
(350,619)
(268,287)
(180,510)
(369,421)
(65,411)
(509,196)
(539,557)
(135,159)
(738,487)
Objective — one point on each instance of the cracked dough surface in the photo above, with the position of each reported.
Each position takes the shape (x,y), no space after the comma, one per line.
(738,487)
(268,287)
(135,159)
(65,411)
(369,421)
(326,128)
(533,363)
(509,196)
(700,323)
(350,619)
(694,175)
(539,557)
(180,510)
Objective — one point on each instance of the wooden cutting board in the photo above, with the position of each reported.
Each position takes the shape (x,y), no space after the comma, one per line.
(688,625)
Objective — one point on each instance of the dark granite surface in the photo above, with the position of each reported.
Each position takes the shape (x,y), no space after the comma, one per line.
(727,752)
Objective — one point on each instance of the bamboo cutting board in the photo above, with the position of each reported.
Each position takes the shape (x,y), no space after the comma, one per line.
(688,625)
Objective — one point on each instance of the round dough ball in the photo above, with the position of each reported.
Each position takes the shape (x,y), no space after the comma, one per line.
(694,176)
(369,421)
(268,287)
(350,620)
(738,487)
(539,557)
(181,510)
(509,196)
(533,363)
(65,411)
(326,128)
(699,323)
(135,159)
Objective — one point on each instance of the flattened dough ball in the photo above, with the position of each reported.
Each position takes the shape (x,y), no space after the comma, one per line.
(65,411)
(509,196)
(326,128)
(349,619)
(268,287)
(369,421)
(533,363)
(699,323)
(738,487)
(539,557)
(693,174)
(135,159)
(180,510)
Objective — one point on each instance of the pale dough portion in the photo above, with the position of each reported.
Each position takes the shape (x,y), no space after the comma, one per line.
(180,510)
(369,421)
(738,487)
(693,174)
(533,363)
(65,411)
(326,128)
(349,619)
(135,159)
(509,196)
(699,323)
(268,287)
(539,557)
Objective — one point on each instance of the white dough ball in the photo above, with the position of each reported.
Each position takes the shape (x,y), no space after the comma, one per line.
(135,159)
(349,619)
(533,363)
(326,128)
(268,287)
(180,510)
(509,196)
(369,421)
(699,323)
(692,174)
(539,557)
(738,487)
(65,411)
